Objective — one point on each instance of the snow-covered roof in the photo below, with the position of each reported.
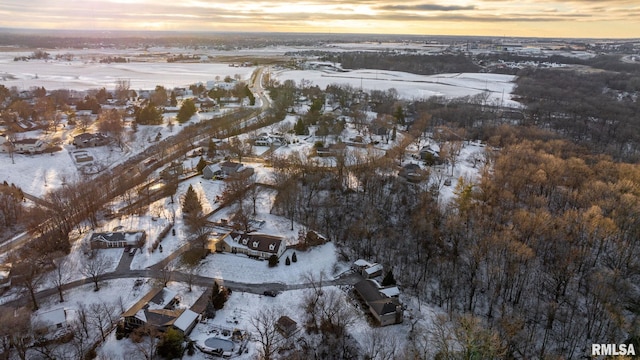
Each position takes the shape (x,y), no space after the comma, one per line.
(161,299)
(362,263)
(52,317)
(391,291)
(373,269)
(185,320)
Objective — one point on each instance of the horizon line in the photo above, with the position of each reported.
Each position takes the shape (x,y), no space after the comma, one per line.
(203,32)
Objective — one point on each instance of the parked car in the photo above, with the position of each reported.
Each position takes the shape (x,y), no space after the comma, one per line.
(270,293)
(133,251)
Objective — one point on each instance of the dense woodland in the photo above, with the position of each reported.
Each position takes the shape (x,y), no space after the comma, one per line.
(597,109)
(543,250)
(412,63)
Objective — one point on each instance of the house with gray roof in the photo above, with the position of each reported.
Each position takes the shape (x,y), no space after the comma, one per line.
(386,310)
(259,246)
(103,240)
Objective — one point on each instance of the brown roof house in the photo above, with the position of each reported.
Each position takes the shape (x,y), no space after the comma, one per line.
(90,140)
(259,246)
(104,240)
(387,310)
(158,310)
(286,326)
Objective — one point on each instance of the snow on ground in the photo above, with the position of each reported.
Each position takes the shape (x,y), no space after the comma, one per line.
(412,86)
(236,267)
(84,75)
(470,161)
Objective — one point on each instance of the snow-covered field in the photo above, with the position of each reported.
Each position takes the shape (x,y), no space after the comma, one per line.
(412,86)
(83,75)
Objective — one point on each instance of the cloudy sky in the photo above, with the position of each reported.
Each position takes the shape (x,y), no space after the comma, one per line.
(537,18)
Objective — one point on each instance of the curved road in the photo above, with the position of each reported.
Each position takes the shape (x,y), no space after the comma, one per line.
(155,273)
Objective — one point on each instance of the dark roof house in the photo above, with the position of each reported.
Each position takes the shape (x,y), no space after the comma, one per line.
(157,309)
(386,310)
(253,245)
(117,239)
(286,326)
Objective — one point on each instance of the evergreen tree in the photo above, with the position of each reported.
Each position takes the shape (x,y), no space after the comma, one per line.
(388,279)
(170,345)
(173,101)
(273,261)
(287,261)
(187,110)
(300,128)
(149,115)
(211,149)
(294,257)
(191,202)
(201,165)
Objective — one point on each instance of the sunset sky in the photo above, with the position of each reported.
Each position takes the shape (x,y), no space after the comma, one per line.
(535,18)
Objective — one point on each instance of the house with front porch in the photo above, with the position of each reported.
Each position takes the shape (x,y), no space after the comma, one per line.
(260,246)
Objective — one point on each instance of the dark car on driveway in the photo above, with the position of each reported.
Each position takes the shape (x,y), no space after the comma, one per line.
(270,293)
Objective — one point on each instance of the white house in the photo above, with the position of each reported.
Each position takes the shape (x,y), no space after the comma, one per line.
(28,146)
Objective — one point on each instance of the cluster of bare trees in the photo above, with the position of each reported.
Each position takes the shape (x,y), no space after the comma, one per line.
(77,339)
(548,219)
(595,108)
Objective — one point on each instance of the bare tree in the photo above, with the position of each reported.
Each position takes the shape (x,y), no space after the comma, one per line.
(60,275)
(29,277)
(16,331)
(94,268)
(380,346)
(264,323)
(122,89)
(102,316)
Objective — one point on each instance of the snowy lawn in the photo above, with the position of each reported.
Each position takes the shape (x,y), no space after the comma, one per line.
(237,267)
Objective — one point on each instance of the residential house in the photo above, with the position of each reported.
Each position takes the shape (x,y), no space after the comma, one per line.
(28,146)
(265,139)
(430,156)
(51,320)
(158,310)
(259,246)
(385,310)
(5,145)
(90,140)
(286,326)
(367,269)
(102,240)
(412,172)
(230,168)
(212,171)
